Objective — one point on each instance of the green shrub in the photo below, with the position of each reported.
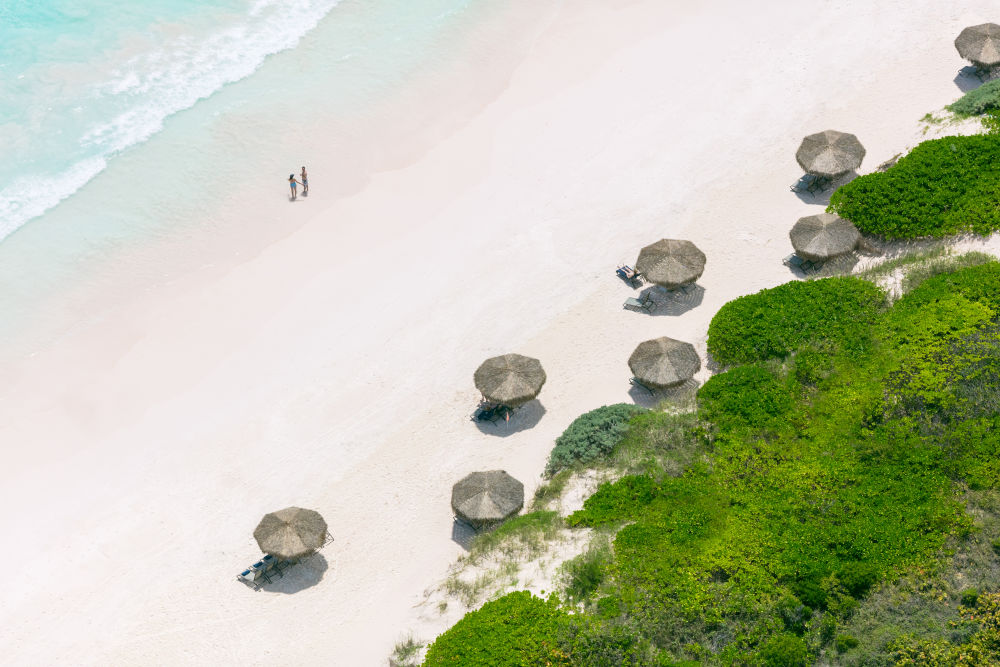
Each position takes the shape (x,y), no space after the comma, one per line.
(601,645)
(775,322)
(745,395)
(617,501)
(810,590)
(991,121)
(783,651)
(517,629)
(970,596)
(794,615)
(591,436)
(857,578)
(943,187)
(584,573)
(845,643)
(725,559)
(978,100)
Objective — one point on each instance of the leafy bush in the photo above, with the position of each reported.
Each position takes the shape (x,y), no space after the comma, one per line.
(517,629)
(602,645)
(845,643)
(793,614)
(978,100)
(981,647)
(746,395)
(769,532)
(591,436)
(857,577)
(616,501)
(970,596)
(775,322)
(943,187)
(991,121)
(585,573)
(784,651)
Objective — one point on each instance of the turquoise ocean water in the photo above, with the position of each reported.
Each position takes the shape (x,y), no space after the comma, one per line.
(117,118)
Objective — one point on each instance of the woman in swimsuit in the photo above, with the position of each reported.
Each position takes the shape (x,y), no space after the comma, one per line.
(305,183)
(292,183)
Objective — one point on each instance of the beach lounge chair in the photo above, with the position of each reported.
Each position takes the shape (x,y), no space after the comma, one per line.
(636,382)
(629,275)
(806,266)
(809,183)
(489,412)
(644,303)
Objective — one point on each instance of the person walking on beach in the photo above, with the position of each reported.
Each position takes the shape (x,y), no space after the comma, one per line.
(292,183)
(305,183)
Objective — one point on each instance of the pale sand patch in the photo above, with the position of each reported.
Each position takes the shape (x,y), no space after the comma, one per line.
(333,368)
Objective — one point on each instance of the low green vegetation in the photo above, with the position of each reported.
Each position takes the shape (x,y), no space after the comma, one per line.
(979,622)
(942,187)
(585,573)
(834,498)
(591,436)
(406,653)
(516,630)
(829,313)
(522,535)
(978,101)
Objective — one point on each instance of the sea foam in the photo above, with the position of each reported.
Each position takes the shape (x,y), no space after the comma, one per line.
(76,102)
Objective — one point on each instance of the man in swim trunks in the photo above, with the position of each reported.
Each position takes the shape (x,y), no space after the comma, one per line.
(305,183)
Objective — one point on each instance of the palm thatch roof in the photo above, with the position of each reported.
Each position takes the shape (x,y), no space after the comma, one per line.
(510,379)
(671,263)
(664,362)
(823,236)
(290,533)
(483,498)
(830,154)
(980,44)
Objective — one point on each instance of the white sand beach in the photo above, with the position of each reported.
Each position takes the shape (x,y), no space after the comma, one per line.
(321,353)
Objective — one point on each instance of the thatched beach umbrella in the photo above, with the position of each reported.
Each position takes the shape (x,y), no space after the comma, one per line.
(482,498)
(290,533)
(830,154)
(510,379)
(664,362)
(671,263)
(980,45)
(823,236)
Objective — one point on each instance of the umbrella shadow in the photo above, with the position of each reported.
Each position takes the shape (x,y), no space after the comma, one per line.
(463,534)
(298,576)
(651,398)
(822,195)
(838,266)
(672,303)
(521,419)
(968,78)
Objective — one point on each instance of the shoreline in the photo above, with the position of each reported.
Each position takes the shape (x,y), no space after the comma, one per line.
(233,383)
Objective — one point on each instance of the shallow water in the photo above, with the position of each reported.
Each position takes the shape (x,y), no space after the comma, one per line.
(128,125)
